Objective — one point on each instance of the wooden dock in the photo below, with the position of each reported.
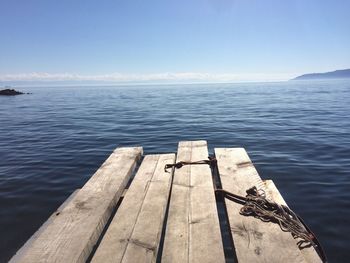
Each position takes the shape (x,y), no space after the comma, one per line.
(131,213)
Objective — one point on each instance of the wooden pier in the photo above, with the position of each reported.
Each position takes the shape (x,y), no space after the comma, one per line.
(128,212)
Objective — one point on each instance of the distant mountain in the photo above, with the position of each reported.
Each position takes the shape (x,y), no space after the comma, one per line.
(338,74)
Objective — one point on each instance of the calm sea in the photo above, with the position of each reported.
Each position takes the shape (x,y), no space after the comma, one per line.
(297,133)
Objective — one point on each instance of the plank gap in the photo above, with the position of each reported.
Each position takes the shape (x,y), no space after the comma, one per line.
(133,174)
(115,209)
(134,232)
(165,221)
(105,229)
(226,234)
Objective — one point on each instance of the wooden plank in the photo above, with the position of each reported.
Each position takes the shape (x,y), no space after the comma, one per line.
(254,240)
(309,253)
(193,231)
(72,234)
(134,233)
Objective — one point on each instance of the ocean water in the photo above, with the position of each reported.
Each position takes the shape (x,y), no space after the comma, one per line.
(296,133)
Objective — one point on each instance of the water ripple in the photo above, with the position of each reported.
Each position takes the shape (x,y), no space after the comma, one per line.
(297,133)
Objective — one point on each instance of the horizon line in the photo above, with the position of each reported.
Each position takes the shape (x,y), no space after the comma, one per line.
(52,85)
(124,78)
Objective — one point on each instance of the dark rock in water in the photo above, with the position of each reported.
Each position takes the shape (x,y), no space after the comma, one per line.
(10,92)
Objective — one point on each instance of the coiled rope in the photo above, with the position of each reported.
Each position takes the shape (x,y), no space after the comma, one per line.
(255,204)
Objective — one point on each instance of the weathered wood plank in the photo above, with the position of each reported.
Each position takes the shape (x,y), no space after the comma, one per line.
(309,253)
(254,240)
(134,233)
(74,231)
(193,231)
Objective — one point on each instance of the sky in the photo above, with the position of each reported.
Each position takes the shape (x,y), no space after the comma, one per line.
(171,41)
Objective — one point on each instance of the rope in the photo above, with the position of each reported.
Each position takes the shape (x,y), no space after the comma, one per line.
(255,204)
(258,206)
(211,161)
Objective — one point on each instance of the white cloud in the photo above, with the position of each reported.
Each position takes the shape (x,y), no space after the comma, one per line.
(154,77)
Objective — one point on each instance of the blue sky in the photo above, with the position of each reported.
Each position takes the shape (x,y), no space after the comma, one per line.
(207,40)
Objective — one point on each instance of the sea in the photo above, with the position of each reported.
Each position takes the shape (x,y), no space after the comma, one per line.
(297,133)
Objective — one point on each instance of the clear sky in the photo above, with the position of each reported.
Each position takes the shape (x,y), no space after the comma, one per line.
(145,40)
